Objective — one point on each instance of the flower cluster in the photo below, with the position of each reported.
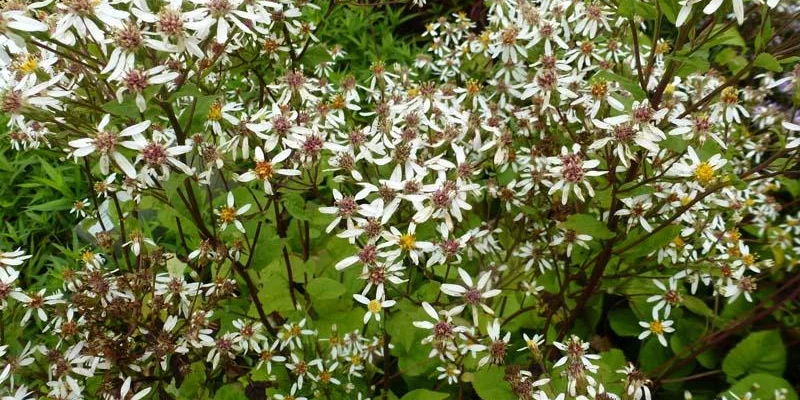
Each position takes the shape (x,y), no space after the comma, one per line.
(261,219)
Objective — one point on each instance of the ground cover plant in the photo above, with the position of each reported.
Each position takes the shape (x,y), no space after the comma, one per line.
(497,200)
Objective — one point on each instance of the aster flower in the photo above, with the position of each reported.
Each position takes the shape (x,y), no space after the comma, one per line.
(229,214)
(374,306)
(265,169)
(497,346)
(442,332)
(657,327)
(79,15)
(703,172)
(35,303)
(107,143)
(670,297)
(473,295)
(636,209)
(570,169)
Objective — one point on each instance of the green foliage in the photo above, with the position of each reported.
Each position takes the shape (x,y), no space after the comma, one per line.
(759,352)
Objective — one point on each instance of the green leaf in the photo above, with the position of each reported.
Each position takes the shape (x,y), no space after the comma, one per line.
(687,332)
(590,225)
(698,307)
(768,62)
(325,289)
(193,384)
(624,322)
(55,205)
(762,351)
(730,37)
(425,394)
(653,354)
(233,391)
(491,385)
(127,108)
(762,386)
(653,243)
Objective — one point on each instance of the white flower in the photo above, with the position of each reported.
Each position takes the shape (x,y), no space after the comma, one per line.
(230,214)
(451,373)
(791,141)
(704,172)
(81,15)
(442,332)
(473,295)
(575,350)
(657,327)
(13,258)
(107,143)
(498,345)
(671,297)
(35,302)
(225,13)
(571,171)
(345,208)
(265,171)
(374,306)
(406,242)
(636,211)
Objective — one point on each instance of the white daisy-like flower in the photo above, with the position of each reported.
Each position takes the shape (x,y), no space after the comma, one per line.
(374,306)
(657,327)
(473,295)
(229,214)
(571,170)
(107,144)
(265,169)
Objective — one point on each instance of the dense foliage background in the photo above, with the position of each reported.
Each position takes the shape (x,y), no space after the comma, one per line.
(396,200)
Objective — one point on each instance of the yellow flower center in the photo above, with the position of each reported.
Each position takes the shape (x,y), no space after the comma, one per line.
(407,241)
(599,89)
(215,112)
(704,173)
(87,256)
(374,306)
(484,38)
(473,86)
(355,360)
(26,65)
(227,214)
(679,243)
(263,170)
(730,95)
(338,102)
(657,327)
(325,376)
(748,259)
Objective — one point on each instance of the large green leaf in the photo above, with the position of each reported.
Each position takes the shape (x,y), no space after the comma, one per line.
(491,385)
(325,289)
(233,391)
(762,351)
(193,386)
(425,394)
(588,224)
(624,322)
(762,386)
